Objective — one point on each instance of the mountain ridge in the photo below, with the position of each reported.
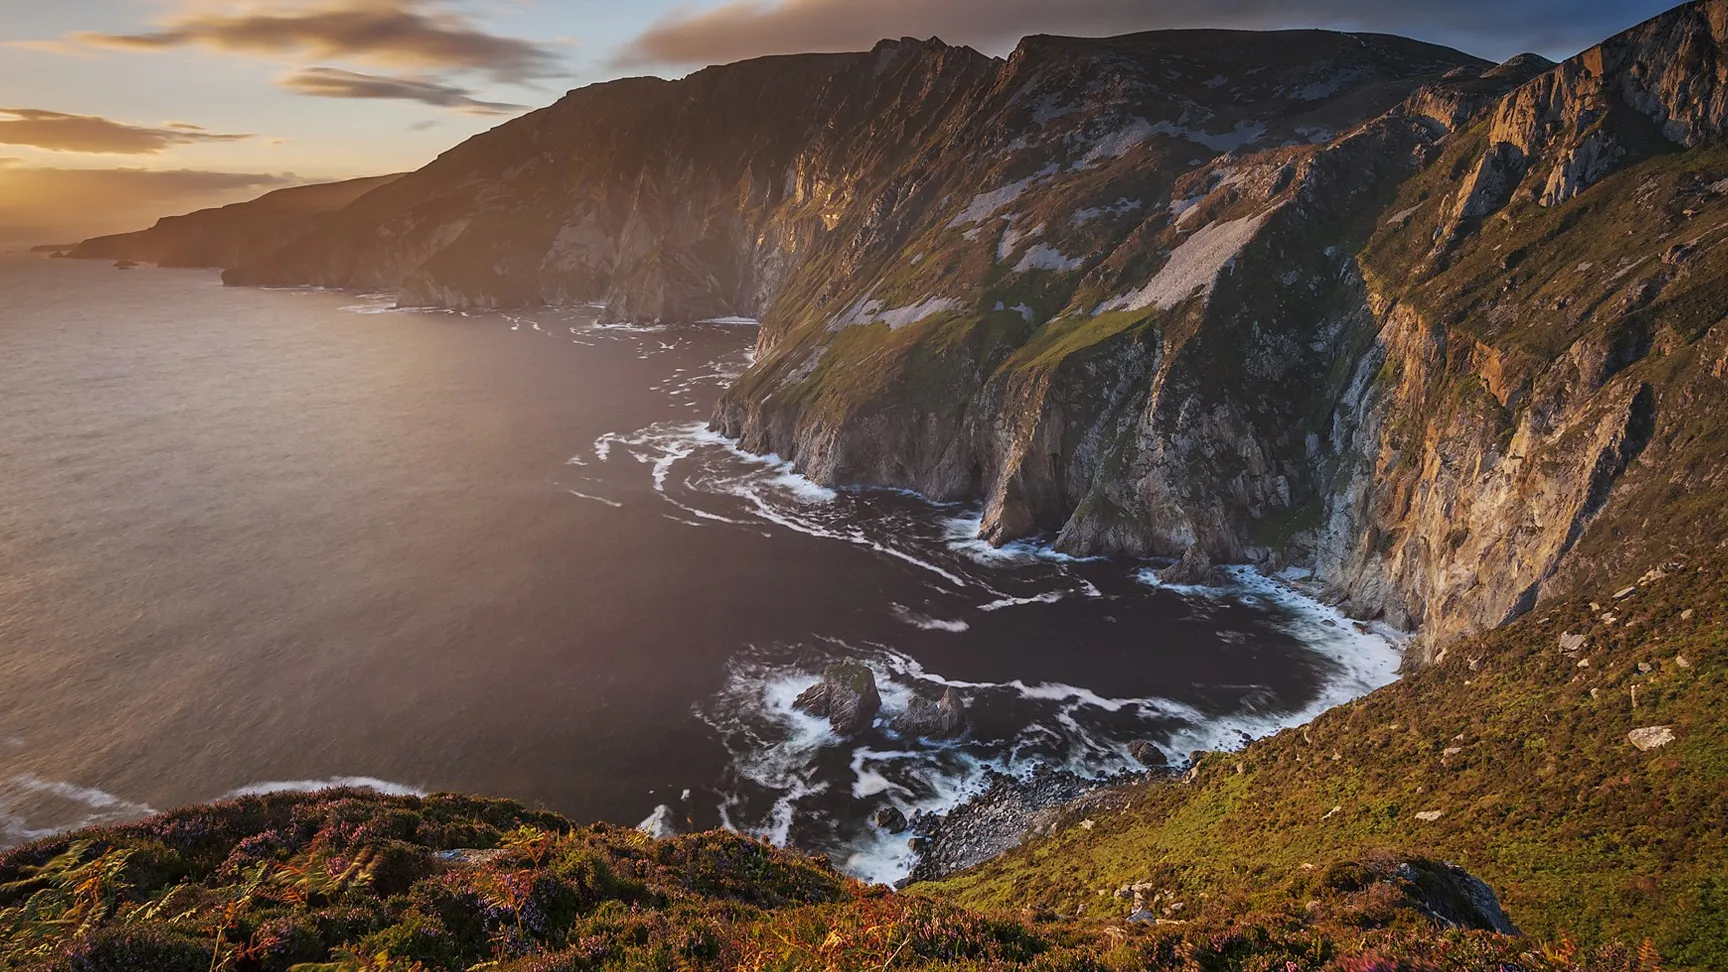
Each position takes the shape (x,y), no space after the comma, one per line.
(1189,295)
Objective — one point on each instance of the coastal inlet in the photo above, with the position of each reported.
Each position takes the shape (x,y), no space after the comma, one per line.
(269,539)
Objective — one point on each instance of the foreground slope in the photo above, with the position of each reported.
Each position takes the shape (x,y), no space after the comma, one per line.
(1518,757)
(346,881)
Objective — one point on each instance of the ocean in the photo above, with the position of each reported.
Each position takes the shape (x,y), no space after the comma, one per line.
(284,539)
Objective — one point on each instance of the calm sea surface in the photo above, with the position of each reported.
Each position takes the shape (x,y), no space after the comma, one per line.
(259,539)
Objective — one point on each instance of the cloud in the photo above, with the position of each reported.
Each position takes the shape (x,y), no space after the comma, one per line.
(328,82)
(59,132)
(48,204)
(750,28)
(61,48)
(394,33)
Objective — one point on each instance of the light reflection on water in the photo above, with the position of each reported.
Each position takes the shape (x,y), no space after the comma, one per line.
(251,536)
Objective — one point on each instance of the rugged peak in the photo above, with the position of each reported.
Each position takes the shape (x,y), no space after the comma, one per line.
(1521,67)
(1659,83)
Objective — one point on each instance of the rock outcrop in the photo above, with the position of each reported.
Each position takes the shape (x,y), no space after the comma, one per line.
(944,718)
(847,697)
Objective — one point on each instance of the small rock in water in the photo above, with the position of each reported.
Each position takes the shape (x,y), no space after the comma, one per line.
(890,820)
(1650,737)
(944,719)
(1147,754)
(846,696)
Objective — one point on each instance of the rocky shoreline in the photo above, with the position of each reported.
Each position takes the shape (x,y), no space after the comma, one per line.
(999,818)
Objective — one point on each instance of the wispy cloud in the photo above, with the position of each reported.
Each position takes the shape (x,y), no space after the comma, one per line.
(414,34)
(329,82)
(749,28)
(60,132)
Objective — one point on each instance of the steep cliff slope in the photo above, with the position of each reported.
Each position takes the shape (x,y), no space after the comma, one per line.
(1442,332)
(1450,359)
(741,185)
(233,234)
(1544,399)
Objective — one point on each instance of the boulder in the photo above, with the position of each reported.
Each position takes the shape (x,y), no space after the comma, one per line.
(1195,569)
(846,697)
(1571,643)
(1148,755)
(943,719)
(1650,737)
(1454,897)
(890,820)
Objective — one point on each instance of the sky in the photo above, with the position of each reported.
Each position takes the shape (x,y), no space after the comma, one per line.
(115,112)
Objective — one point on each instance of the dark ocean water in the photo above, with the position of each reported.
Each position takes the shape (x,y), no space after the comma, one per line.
(254,539)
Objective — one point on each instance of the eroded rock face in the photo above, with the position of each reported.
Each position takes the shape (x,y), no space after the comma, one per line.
(1441,331)
(941,719)
(847,697)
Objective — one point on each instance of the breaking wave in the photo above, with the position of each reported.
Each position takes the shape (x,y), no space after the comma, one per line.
(793,781)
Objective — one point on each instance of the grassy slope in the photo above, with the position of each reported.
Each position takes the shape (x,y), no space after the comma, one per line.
(1522,750)
(346,881)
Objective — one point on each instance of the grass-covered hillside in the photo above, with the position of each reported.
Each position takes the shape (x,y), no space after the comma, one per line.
(346,881)
(1510,756)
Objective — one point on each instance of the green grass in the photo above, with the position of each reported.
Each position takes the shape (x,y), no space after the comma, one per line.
(1583,835)
(347,882)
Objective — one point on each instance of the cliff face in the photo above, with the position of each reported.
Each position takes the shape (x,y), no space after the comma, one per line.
(1541,404)
(1444,332)
(234,234)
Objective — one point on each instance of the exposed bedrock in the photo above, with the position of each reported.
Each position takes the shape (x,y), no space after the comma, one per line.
(1445,332)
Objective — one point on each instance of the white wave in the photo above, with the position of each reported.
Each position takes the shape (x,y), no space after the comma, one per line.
(927,623)
(598,499)
(664,445)
(32,808)
(1360,660)
(1048,597)
(783,767)
(963,534)
(385,787)
(731,320)
(373,309)
(869,782)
